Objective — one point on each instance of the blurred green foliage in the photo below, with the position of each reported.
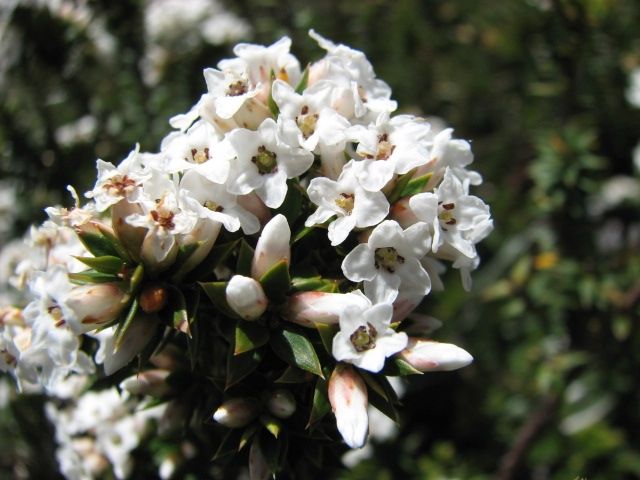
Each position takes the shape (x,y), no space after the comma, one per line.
(538,86)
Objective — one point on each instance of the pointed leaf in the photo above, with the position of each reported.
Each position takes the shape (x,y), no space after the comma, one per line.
(216,291)
(249,336)
(240,366)
(276,282)
(91,276)
(292,204)
(105,264)
(229,444)
(136,278)
(399,367)
(327,332)
(320,405)
(295,349)
(125,324)
(401,183)
(114,242)
(180,316)
(382,404)
(302,234)
(294,375)
(304,81)
(217,255)
(98,244)
(415,185)
(247,434)
(272,424)
(245,257)
(273,106)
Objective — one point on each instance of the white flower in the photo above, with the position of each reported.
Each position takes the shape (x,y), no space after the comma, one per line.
(213,202)
(345,198)
(388,147)
(389,261)
(633,91)
(456,218)
(366,338)
(264,163)
(429,356)
(349,401)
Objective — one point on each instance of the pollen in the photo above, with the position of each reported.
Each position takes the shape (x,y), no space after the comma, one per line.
(237,88)
(364,337)
(387,258)
(265,160)
(200,156)
(346,202)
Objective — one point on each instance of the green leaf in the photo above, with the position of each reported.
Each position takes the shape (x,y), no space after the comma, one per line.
(247,434)
(381,386)
(272,424)
(304,81)
(240,366)
(216,291)
(320,405)
(125,324)
(399,367)
(294,375)
(229,444)
(276,282)
(302,234)
(90,276)
(295,349)
(136,278)
(105,264)
(327,332)
(275,451)
(249,336)
(245,257)
(292,204)
(115,243)
(383,405)
(273,106)
(98,244)
(184,252)
(400,185)
(315,284)
(415,185)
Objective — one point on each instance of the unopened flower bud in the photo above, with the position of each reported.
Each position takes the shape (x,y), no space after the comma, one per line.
(281,403)
(205,234)
(94,305)
(153,297)
(236,412)
(430,356)
(151,382)
(272,246)
(258,466)
(255,205)
(131,237)
(401,212)
(349,401)
(246,297)
(310,308)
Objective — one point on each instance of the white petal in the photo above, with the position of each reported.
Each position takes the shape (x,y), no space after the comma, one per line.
(359,264)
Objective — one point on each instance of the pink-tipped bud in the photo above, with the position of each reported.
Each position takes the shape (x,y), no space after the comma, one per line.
(430,356)
(281,403)
(310,308)
(94,305)
(236,412)
(273,246)
(151,382)
(246,297)
(349,401)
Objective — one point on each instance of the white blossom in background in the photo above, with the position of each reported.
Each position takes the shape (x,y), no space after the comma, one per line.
(633,90)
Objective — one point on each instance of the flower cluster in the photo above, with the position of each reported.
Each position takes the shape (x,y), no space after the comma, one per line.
(276,245)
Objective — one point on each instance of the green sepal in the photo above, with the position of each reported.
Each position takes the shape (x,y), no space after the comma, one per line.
(125,324)
(240,366)
(249,336)
(216,291)
(271,424)
(397,367)
(327,332)
(105,264)
(90,276)
(315,284)
(304,81)
(245,258)
(273,106)
(401,183)
(415,185)
(247,435)
(276,282)
(320,405)
(296,350)
(294,375)
(119,249)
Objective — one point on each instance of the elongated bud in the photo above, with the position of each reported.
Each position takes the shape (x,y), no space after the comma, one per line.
(149,253)
(255,205)
(246,297)
(153,297)
(94,305)
(131,237)
(258,467)
(309,308)
(151,382)
(281,403)
(236,412)
(349,401)
(272,247)
(430,356)
(401,212)
(251,114)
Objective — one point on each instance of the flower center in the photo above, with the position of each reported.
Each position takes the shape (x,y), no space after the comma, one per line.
(387,258)
(346,202)
(265,160)
(56,314)
(200,156)
(364,337)
(163,217)
(385,147)
(446,214)
(119,185)
(213,206)
(237,88)
(307,122)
